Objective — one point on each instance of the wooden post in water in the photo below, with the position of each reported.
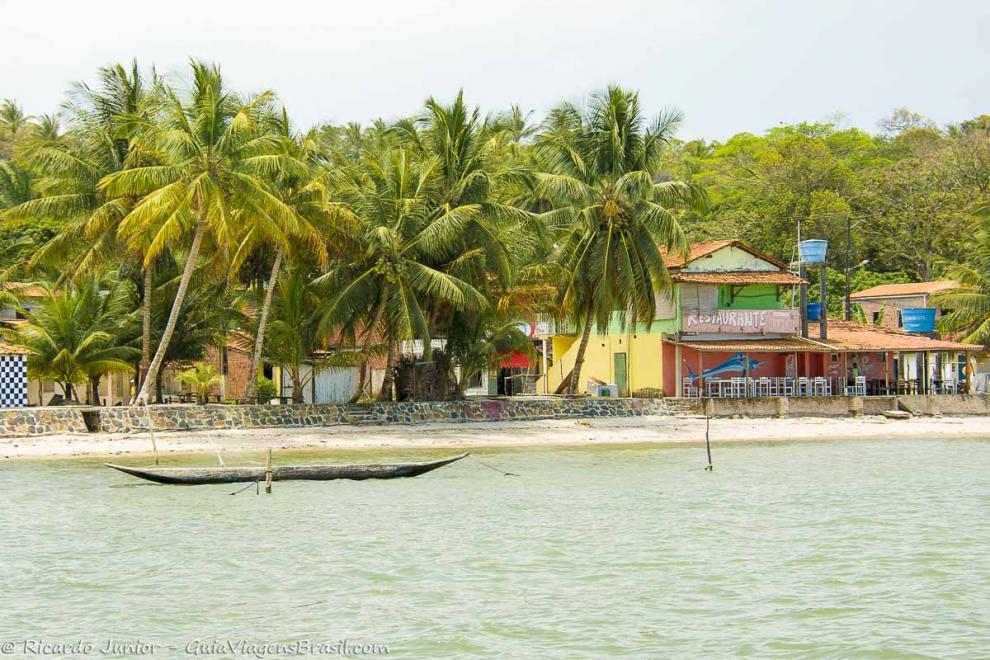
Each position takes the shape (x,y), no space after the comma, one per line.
(268,473)
(708,444)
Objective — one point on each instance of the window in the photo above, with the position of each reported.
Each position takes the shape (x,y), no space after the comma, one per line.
(876,317)
(900,321)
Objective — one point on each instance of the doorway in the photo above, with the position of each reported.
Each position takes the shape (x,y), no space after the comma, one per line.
(621,376)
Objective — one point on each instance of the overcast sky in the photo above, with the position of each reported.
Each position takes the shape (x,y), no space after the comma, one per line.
(729,66)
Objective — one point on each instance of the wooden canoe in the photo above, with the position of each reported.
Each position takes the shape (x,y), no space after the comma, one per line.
(192,476)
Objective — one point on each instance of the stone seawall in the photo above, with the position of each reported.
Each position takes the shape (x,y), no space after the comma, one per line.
(41,421)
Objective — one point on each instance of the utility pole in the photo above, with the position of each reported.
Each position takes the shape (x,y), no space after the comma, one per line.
(803,287)
(823,319)
(847,305)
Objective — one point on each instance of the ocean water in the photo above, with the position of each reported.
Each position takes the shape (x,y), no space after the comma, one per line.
(828,549)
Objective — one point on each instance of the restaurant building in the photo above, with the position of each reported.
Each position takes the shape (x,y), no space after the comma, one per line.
(732,327)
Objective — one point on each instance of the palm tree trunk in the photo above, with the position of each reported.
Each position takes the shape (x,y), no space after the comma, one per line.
(173,316)
(94,394)
(259,339)
(579,358)
(297,388)
(146,321)
(362,372)
(385,394)
(67,390)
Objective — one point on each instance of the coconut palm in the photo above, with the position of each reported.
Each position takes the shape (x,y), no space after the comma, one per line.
(297,180)
(12,119)
(387,282)
(295,335)
(479,342)
(202,184)
(612,209)
(101,117)
(473,167)
(15,185)
(70,337)
(970,301)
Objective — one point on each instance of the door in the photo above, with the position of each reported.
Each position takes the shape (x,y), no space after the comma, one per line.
(621,378)
(336,385)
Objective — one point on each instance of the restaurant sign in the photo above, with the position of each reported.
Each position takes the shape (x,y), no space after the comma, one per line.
(746,321)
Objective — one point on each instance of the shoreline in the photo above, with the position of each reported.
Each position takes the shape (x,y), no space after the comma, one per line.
(651,430)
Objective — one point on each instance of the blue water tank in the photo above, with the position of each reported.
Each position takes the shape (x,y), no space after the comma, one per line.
(814,311)
(918,319)
(812,252)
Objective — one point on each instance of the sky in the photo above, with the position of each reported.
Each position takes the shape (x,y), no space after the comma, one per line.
(729,67)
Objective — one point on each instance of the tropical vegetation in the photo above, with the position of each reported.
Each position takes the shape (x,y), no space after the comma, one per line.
(167,217)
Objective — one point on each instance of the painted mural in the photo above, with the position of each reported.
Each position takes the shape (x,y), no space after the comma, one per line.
(734,366)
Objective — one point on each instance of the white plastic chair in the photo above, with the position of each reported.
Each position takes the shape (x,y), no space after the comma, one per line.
(763,386)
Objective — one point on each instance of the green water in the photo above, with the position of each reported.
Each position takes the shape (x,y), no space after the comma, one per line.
(830,549)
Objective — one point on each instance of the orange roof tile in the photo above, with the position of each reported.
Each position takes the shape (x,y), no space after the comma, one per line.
(909,289)
(27,289)
(240,341)
(791,345)
(698,250)
(9,349)
(850,336)
(748,277)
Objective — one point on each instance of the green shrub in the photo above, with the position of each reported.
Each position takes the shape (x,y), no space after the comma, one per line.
(265,389)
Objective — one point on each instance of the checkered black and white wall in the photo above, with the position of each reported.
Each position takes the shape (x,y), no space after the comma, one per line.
(13,381)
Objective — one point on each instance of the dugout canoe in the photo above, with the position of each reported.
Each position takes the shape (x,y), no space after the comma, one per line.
(194,476)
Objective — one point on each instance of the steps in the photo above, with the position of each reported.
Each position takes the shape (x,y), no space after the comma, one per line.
(361,416)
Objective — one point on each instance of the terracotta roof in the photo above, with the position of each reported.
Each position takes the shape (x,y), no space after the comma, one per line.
(238,340)
(748,277)
(850,336)
(792,345)
(910,289)
(698,250)
(7,349)
(26,289)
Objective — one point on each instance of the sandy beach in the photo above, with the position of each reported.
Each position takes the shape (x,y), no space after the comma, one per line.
(650,430)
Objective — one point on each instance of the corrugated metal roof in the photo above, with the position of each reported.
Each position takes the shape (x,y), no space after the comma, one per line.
(747,277)
(909,289)
(698,250)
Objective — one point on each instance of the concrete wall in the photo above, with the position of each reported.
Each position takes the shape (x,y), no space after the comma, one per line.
(836,406)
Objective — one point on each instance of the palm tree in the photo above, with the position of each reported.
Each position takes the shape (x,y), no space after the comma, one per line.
(970,301)
(201,377)
(615,219)
(298,180)
(15,185)
(295,332)
(12,119)
(473,168)
(386,283)
(70,337)
(201,184)
(479,342)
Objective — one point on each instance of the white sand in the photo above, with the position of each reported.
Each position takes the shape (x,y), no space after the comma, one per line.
(654,430)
